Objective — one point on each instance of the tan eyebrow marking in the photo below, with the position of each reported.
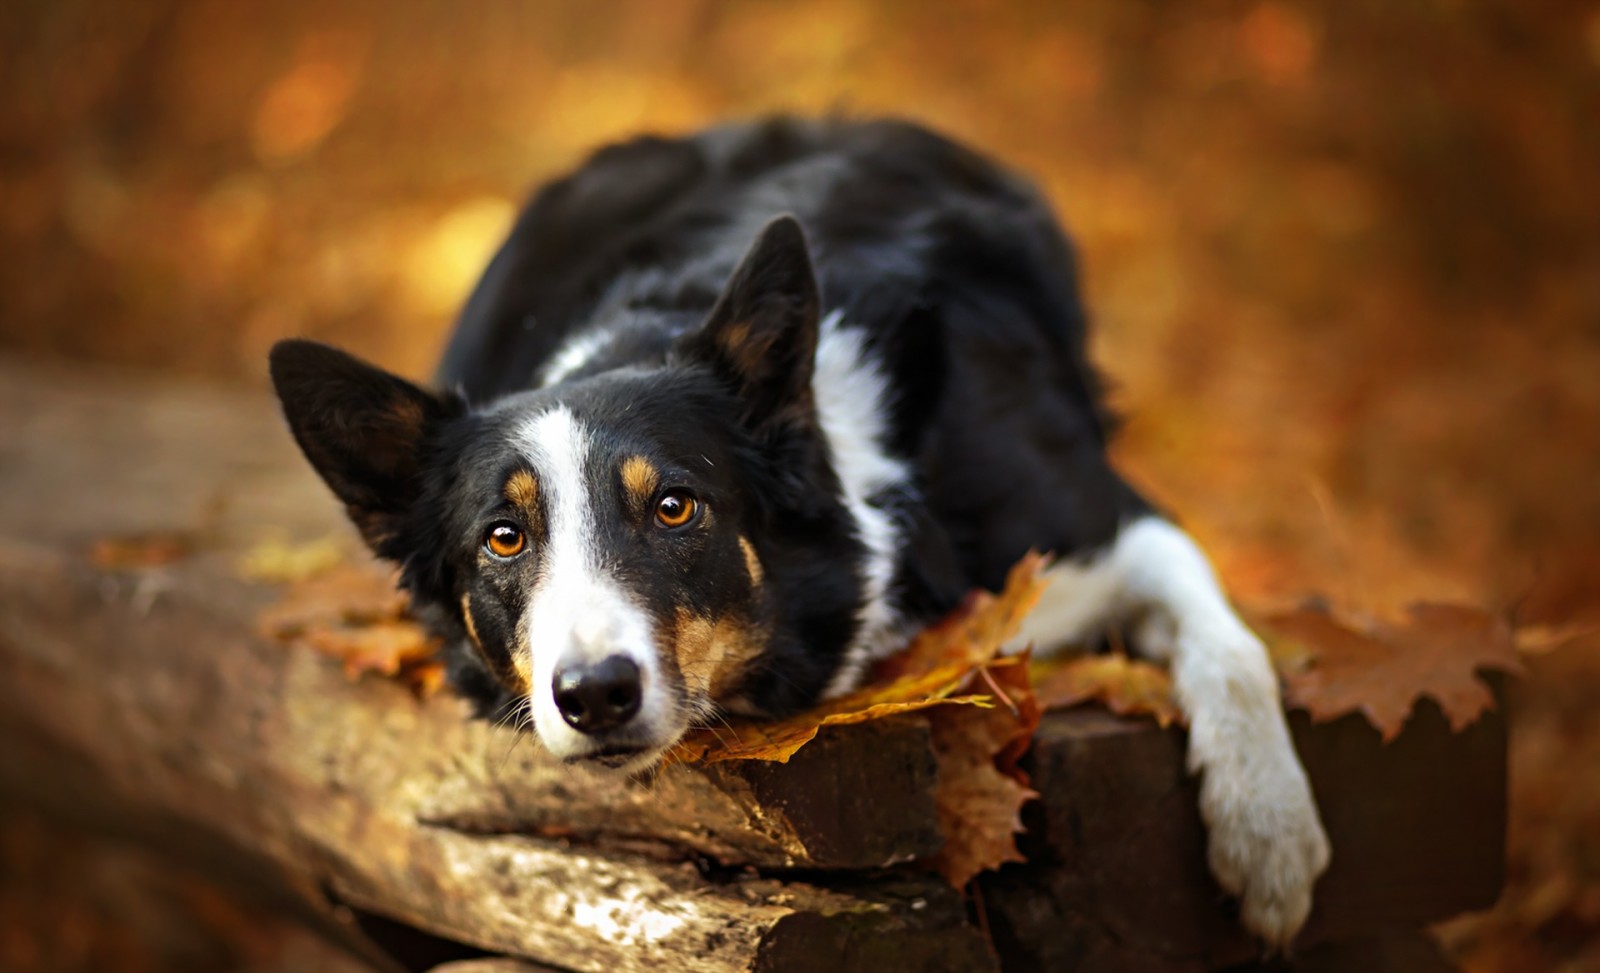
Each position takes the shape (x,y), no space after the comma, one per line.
(523,490)
(640,478)
(752,563)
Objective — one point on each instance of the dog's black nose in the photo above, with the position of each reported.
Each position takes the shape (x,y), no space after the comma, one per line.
(600,697)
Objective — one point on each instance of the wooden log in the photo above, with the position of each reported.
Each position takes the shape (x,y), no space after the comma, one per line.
(117,458)
(172,725)
(144,704)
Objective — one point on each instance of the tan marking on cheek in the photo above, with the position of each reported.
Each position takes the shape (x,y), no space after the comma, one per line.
(691,641)
(520,673)
(472,627)
(522,669)
(640,479)
(523,490)
(713,654)
(752,563)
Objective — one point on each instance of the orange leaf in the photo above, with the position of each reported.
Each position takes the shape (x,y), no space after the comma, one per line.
(358,616)
(1128,687)
(1379,668)
(937,666)
(975,632)
(744,740)
(141,551)
(981,789)
(346,595)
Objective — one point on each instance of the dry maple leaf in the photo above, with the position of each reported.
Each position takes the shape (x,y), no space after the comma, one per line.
(935,670)
(1379,668)
(1127,687)
(141,551)
(1561,605)
(981,790)
(975,632)
(358,616)
(980,706)
(346,595)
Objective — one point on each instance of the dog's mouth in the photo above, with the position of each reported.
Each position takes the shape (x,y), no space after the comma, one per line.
(626,757)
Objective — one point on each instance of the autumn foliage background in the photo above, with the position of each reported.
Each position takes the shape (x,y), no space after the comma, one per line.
(1343,258)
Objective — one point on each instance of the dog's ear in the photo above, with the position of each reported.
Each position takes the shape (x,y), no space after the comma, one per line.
(362,428)
(761,337)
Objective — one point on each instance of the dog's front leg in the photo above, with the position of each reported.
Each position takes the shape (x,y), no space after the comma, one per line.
(1266,842)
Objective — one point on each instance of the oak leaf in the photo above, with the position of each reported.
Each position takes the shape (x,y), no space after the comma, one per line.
(1379,668)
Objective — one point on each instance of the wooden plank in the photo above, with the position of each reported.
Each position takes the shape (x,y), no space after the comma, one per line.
(1116,877)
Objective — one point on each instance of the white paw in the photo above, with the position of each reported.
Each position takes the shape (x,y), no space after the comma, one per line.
(1266,843)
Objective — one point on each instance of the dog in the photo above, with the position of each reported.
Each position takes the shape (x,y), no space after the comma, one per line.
(729,417)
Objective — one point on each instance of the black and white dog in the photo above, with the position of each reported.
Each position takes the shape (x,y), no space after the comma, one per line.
(676,473)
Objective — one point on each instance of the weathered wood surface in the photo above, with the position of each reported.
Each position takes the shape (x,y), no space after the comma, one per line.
(1115,878)
(144,704)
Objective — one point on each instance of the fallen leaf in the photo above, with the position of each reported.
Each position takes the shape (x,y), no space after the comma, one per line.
(1561,604)
(141,552)
(358,616)
(280,562)
(385,647)
(1380,668)
(934,670)
(1127,687)
(981,790)
(975,632)
(980,706)
(348,595)
(779,740)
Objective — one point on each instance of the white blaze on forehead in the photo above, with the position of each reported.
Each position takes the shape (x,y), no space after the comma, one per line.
(578,614)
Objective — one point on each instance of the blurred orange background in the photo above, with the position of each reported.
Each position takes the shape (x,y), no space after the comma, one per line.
(1343,258)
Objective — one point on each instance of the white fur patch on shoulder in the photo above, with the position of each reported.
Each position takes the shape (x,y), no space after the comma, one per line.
(850,394)
(573,355)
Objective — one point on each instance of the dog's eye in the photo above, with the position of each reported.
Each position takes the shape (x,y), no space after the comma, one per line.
(505,540)
(676,508)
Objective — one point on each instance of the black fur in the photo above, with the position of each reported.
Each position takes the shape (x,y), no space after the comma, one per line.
(953,266)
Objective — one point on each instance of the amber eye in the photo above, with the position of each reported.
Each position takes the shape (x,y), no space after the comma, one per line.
(675,509)
(505,540)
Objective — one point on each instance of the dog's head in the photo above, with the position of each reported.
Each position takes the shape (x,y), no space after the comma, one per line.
(606,546)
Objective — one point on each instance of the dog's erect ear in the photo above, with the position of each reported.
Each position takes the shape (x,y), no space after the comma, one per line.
(761,336)
(361,427)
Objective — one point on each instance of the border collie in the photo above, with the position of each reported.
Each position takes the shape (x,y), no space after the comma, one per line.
(730,416)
